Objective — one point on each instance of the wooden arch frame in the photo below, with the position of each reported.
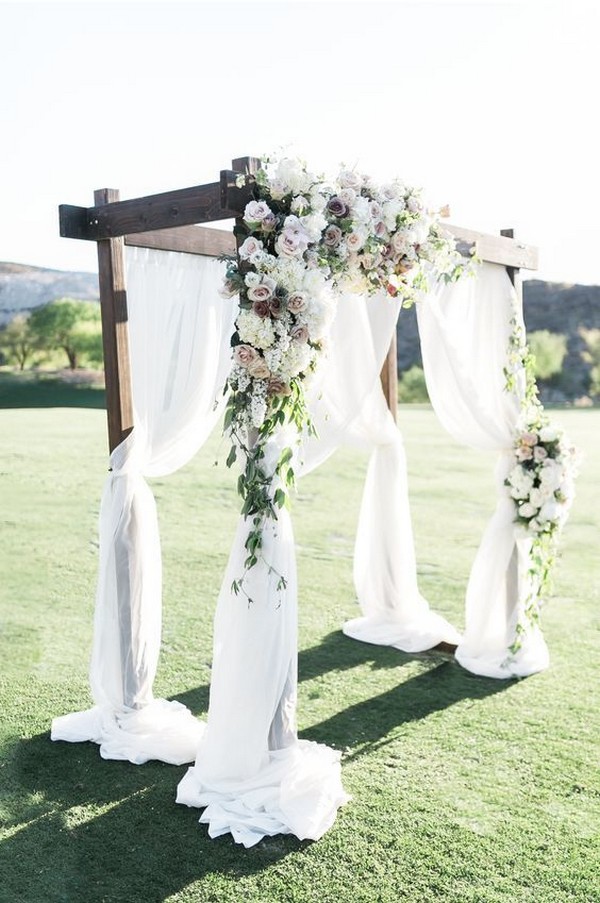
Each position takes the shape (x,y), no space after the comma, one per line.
(171,222)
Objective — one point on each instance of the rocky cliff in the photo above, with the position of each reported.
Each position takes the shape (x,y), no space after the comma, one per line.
(22,288)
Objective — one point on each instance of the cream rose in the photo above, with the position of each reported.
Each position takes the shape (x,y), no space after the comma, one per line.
(258,369)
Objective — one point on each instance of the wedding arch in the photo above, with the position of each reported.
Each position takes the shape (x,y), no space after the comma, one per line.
(166,337)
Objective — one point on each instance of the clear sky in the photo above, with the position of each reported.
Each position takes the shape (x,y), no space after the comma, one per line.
(492,107)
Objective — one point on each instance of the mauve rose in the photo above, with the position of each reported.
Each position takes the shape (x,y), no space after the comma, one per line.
(387,252)
(376,210)
(296,302)
(337,207)
(260,292)
(277,386)
(332,236)
(275,307)
(269,222)
(380,229)
(261,309)
(524,453)
(244,355)
(258,368)
(539,453)
(299,334)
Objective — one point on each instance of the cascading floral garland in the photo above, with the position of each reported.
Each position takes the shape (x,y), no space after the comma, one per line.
(541,482)
(302,243)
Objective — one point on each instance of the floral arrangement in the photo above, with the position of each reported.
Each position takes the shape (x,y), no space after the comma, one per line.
(541,482)
(302,243)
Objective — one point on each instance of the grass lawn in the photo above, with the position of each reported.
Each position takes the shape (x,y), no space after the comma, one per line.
(465,789)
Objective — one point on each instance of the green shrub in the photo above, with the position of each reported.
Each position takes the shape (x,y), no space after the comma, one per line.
(71,326)
(411,386)
(549,350)
(18,343)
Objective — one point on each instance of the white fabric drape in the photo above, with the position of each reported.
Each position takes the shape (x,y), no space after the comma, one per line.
(349,408)
(179,346)
(464,329)
(252,774)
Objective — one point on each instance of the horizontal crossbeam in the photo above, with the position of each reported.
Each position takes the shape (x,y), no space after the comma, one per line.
(187,239)
(494,248)
(199,204)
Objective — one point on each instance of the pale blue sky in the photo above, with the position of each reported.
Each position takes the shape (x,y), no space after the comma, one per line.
(492,107)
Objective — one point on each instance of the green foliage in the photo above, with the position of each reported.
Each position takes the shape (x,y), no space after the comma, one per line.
(72,326)
(591,338)
(549,350)
(412,388)
(18,342)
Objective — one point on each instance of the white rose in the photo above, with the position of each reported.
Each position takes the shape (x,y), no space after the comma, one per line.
(299,204)
(278,189)
(355,241)
(550,511)
(251,246)
(549,434)
(252,279)
(313,225)
(350,179)
(527,510)
(348,195)
(256,211)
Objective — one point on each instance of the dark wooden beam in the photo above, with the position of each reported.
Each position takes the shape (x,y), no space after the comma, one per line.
(115,338)
(184,207)
(232,197)
(186,239)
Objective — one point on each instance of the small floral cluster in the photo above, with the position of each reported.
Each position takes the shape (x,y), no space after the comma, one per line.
(542,482)
(302,242)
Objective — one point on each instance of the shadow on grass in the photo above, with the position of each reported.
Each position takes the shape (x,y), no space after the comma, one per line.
(365,726)
(130,843)
(30,391)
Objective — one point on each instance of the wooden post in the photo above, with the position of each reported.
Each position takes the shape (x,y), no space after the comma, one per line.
(115,338)
(389,377)
(514,272)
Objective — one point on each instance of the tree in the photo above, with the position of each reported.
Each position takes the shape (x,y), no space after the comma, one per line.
(549,350)
(412,388)
(591,338)
(71,325)
(17,340)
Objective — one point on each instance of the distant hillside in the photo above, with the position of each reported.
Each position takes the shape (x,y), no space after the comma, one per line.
(22,288)
(547,305)
(555,306)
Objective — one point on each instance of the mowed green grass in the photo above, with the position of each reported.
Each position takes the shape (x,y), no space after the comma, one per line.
(465,789)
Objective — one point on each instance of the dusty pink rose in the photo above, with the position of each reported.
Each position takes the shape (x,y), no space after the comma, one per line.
(261,309)
(277,386)
(249,247)
(296,302)
(524,453)
(299,334)
(355,241)
(399,242)
(380,229)
(539,453)
(258,368)
(244,355)
(332,236)
(260,292)
(529,439)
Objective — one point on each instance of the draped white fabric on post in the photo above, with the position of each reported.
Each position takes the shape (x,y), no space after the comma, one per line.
(252,774)
(179,344)
(465,328)
(349,408)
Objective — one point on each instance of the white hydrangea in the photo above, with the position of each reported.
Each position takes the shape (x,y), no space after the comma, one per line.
(254,330)
(314,224)
(521,483)
(295,360)
(291,173)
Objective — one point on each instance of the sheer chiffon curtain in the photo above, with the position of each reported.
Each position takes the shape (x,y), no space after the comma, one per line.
(179,342)
(464,330)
